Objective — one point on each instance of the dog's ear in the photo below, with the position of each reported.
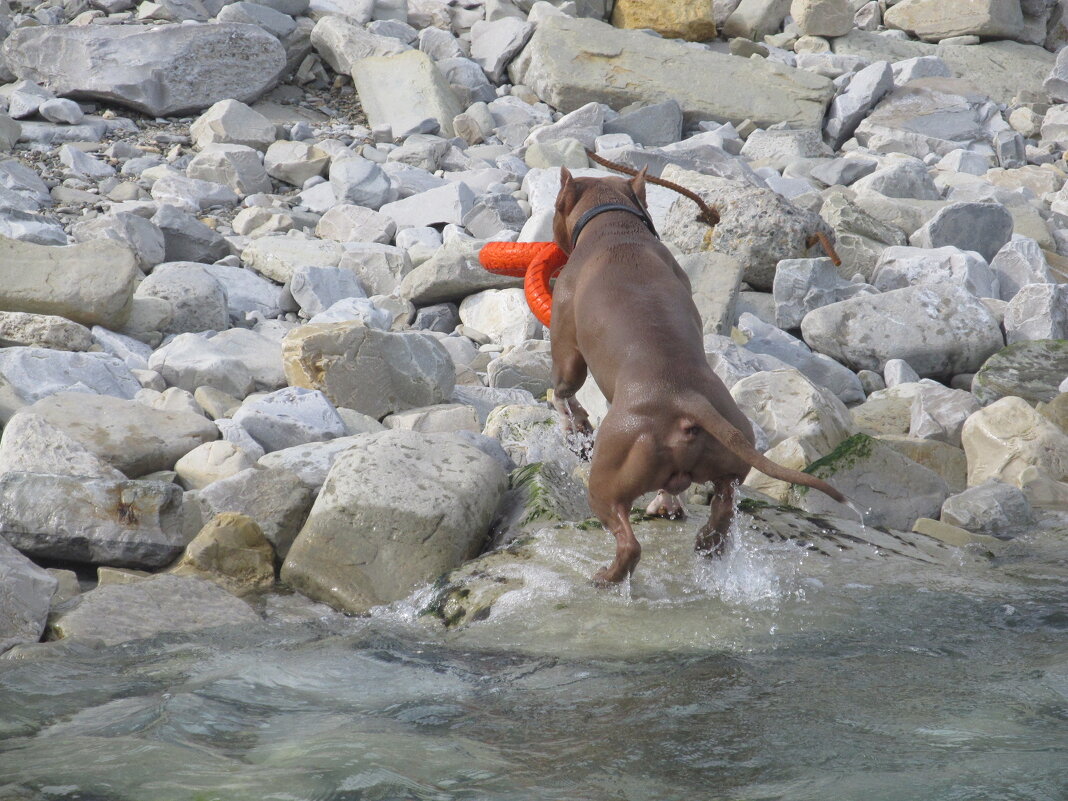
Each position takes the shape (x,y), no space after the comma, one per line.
(565,200)
(637,184)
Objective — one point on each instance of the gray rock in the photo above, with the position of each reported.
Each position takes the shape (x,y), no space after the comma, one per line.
(275,498)
(405,91)
(757,226)
(653,125)
(715,279)
(900,267)
(913,324)
(31,444)
(755,19)
(25,597)
(451,274)
(858,468)
(843,171)
(44,331)
(1037,311)
(819,369)
(864,91)
(177,298)
(236,166)
(84,164)
(313,460)
(185,238)
(494,44)
(10,132)
(1030,370)
(96,521)
(907,178)
(342,44)
(158,70)
(440,317)
(1056,84)
(142,236)
(261,351)
(118,613)
(276,257)
(348,223)
(860,238)
(467,81)
(131,352)
(982,227)
(802,285)
(190,361)
(23,188)
(294,162)
(289,417)
(993,508)
(29,374)
(527,366)
(1019,262)
(898,371)
(942,19)
(191,194)
(90,283)
(379,268)
(442,206)
(371,371)
(318,288)
(246,292)
(439,44)
(492,213)
(910,69)
(939,412)
(274,22)
(569,62)
(362,310)
(406,507)
(360,182)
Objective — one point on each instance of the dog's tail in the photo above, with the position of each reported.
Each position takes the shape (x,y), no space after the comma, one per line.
(706,416)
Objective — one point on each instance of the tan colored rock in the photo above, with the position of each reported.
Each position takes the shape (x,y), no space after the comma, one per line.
(1043,491)
(675,19)
(106,576)
(1056,411)
(1008,436)
(232,552)
(792,452)
(43,331)
(947,460)
(91,283)
(443,418)
(879,416)
(822,17)
(210,462)
(952,535)
(934,20)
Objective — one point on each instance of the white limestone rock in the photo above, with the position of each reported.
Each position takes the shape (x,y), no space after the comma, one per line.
(1008,436)
(1037,311)
(801,285)
(289,417)
(939,412)
(900,267)
(502,314)
(1019,262)
(405,91)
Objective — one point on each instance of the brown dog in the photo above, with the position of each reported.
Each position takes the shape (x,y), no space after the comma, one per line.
(622,308)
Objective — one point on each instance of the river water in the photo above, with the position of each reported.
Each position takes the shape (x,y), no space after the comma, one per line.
(776,673)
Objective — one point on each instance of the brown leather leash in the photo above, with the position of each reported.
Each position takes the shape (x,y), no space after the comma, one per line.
(708,214)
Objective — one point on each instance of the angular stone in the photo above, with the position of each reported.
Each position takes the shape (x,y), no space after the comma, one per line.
(1020,262)
(380,268)
(191,194)
(92,520)
(715,279)
(26,592)
(495,43)
(190,361)
(446,418)
(1056,84)
(177,298)
(31,444)
(209,462)
(940,330)
(939,412)
(185,238)
(1030,370)
(118,613)
(396,510)
(445,205)
(822,17)
(246,292)
(784,403)
(276,257)
(236,166)
(274,22)
(290,417)
(349,223)
(361,182)
(90,283)
(683,19)
(501,314)
(1008,436)
(404,91)
(942,19)
(43,331)
(900,267)
(1037,312)
(858,468)
(570,62)
(991,508)
(374,372)
(294,162)
(755,19)
(232,552)
(159,70)
(947,460)
(29,374)
(802,285)
(342,44)
(982,227)
(142,236)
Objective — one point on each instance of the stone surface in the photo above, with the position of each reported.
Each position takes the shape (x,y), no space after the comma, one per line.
(683,19)
(858,468)
(25,597)
(982,227)
(1037,312)
(119,613)
(570,62)
(942,19)
(1019,262)
(191,361)
(939,412)
(211,461)
(1030,370)
(397,509)
(231,122)
(822,17)
(178,298)
(44,331)
(404,91)
(914,324)
(991,508)
(158,70)
(94,521)
(451,274)
(289,417)
(232,552)
(371,371)
(801,285)
(1008,436)
(900,267)
(501,314)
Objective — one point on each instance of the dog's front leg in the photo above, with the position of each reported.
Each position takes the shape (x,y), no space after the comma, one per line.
(712,538)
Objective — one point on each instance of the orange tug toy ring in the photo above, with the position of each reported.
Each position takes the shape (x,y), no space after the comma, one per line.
(536,263)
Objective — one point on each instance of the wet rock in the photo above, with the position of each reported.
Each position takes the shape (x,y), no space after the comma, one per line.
(757,226)
(159,70)
(26,592)
(232,552)
(371,371)
(1037,312)
(911,324)
(289,417)
(95,521)
(275,498)
(1007,437)
(991,508)
(1030,370)
(793,452)
(858,468)
(90,283)
(118,613)
(397,510)
(784,403)
(569,62)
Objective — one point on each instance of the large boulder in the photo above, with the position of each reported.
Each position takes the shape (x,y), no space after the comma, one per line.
(91,283)
(374,372)
(1008,436)
(1031,370)
(404,91)
(570,62)
(939,329)
(160,70)
(942,19)
(397,509)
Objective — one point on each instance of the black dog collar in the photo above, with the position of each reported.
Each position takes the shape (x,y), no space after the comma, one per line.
(589,215)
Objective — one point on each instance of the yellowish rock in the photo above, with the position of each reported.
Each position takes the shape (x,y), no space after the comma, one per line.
(947,460)
(792,452)
(951,535)
(118,575)
(232,552)
(1008,436)
(675,19)
(1042,491)
(1056,411)
(879,416)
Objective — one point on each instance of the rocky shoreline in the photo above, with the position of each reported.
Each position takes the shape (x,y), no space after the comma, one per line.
(250,365)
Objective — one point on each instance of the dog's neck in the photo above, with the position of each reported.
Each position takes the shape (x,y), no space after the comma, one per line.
(638,211)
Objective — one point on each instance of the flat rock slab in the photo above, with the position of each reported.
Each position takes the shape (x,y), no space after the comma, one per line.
(570,62)
(117,613)
(1030,370)
(94,521)
(91,283)
(403,91)
(161,70)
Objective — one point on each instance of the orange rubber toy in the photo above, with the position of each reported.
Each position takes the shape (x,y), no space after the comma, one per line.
(536,262)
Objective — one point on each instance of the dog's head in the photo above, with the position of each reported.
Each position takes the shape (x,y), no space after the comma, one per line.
(578,195)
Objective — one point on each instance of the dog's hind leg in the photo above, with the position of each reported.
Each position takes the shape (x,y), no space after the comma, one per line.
(712,538)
